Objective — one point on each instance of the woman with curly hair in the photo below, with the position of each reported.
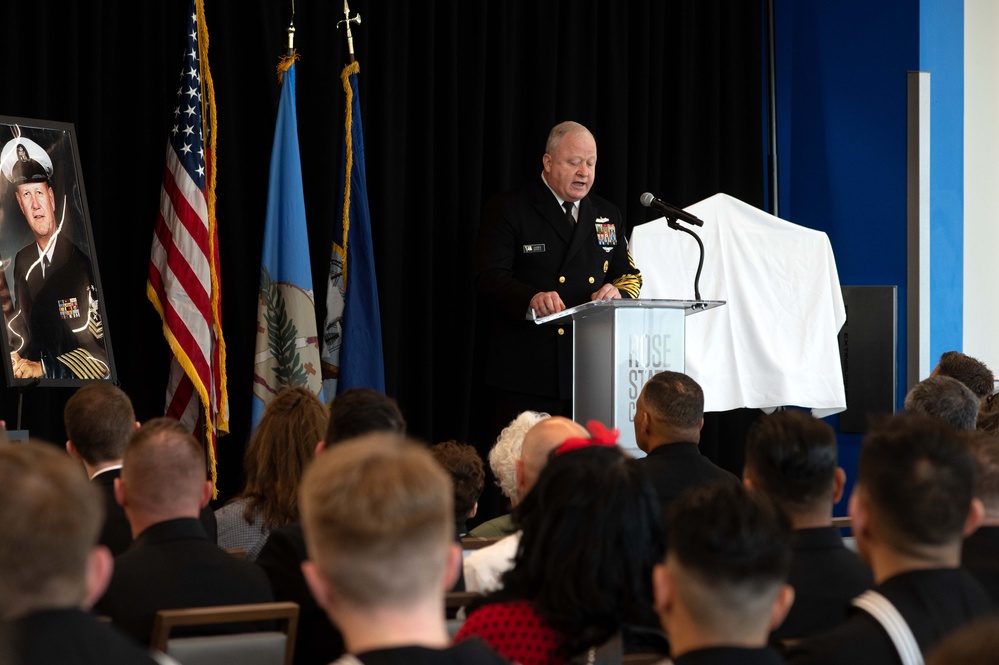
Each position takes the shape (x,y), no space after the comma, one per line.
(294,422)
(583,569)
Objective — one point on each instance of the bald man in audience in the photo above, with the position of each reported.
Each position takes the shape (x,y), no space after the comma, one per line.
(51,568)
(484,567)
(980,553)
(378,516)
(669,415)
(171,562)
(946,399)
(723,586)
(99,419)
(791,459)
(912,506)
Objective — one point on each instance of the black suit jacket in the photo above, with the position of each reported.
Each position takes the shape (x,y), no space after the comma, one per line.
(527,246)
(319,641)
(826,577)
(116,533)
(172,565)
(70,637)
(673,467)
(980,555)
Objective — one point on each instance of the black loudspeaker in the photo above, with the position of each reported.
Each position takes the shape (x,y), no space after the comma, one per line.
(867,347)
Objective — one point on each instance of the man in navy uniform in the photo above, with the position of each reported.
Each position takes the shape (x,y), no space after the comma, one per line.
(542,248)
(56,331)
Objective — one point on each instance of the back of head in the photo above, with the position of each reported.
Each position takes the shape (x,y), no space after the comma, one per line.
(791,457)
(99,419)
(591,535)
(985,450)
(540,441)
(969,371)
(917,477)
(506,451)
(50,517)
(294,422)
(359,411)
(468,474)
(163,470)
(378,518)
(674,400)
(734,549)
(945,399)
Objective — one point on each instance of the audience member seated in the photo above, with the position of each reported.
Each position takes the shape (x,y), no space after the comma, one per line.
(378,516)
(353,413)
(911,507)
(946,399)
(468,476)
(969,371)
(791,459)
(988,415)
(722,588)
(284,442)
(99,419)
(51,568)
(669,415)
(171,562)
(974,644)
(503,461)
(582,574)
(980,553)
(485,566)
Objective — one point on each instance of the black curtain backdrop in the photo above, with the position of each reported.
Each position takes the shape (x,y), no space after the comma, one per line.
(457,99)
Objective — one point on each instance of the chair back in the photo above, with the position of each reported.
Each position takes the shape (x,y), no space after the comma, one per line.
(268,647)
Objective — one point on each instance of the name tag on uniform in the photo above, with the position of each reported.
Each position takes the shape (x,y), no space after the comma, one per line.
(69,309)
(534,249)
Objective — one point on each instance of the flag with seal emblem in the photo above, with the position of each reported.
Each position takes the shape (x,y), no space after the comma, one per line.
(287,348)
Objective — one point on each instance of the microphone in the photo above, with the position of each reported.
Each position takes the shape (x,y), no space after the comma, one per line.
(650,201)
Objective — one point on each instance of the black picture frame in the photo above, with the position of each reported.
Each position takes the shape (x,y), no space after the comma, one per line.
(54,312)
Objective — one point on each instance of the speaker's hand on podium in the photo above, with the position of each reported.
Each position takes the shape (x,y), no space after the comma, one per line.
(547,302)
(606,292)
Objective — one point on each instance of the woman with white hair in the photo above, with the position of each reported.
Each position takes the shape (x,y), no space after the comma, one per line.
(503,461)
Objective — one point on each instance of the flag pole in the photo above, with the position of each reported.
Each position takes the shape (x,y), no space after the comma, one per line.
(347,20)
(290,56)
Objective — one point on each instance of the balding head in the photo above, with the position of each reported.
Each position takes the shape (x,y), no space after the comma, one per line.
(163,475)
(539,442)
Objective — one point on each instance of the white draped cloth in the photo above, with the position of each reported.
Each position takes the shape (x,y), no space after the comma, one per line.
(774,343)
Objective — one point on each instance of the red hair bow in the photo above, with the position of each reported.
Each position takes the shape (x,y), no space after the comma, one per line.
(599,436)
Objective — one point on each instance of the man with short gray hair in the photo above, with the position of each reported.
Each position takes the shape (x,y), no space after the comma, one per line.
(946,399)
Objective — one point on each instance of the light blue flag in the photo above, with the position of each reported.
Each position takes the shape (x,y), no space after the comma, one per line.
(287,348)
(352,340)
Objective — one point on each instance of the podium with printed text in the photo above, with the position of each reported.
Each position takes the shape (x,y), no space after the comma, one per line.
(617,346)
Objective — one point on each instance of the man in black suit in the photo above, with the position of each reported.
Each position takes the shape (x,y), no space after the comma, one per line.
(99,418)
(791,458)
(723,585)
(171,563)
(51,569)
(57,332)
(542,248)
(913,503)
(669,414)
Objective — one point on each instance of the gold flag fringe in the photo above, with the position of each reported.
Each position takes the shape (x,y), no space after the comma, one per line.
(285,63)
(352,68)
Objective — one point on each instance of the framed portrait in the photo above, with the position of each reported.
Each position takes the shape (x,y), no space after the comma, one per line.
(50,287)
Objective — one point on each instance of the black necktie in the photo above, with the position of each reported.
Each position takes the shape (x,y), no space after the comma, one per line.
(46,264)
(569,205)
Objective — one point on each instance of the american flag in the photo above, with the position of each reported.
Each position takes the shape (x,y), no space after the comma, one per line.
(184,266)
